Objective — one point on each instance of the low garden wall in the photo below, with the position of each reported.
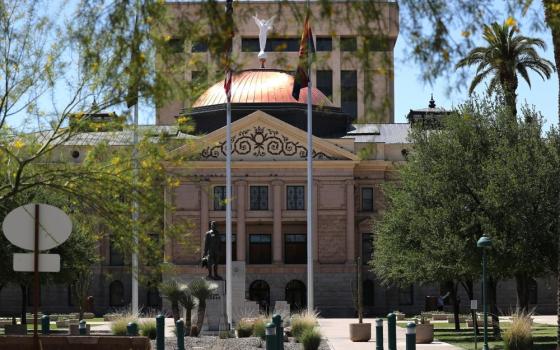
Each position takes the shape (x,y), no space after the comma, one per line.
(74,342)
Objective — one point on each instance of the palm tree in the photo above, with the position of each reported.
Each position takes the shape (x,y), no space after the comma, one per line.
(201,289)
(506,55)
(174,291)
(188,302)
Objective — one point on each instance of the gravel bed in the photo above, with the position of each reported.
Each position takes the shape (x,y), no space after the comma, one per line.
(215,343)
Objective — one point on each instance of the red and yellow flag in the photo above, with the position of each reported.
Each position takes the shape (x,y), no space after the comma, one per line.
(306,47)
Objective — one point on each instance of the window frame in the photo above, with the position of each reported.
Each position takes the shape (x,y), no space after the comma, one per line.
(366,208)
(287,249)
(259,208)
(216,206)
(348,44)
(321,88)
(296,199)
(327,41)
(257,260)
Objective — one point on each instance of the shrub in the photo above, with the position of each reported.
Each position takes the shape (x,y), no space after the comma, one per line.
(118,326)
(310,339)
(519,336)
(259,328)
(244,328)
(148,328)
(301,322)
(194,331)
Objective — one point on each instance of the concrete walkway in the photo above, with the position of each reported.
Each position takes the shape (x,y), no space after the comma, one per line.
(337,334)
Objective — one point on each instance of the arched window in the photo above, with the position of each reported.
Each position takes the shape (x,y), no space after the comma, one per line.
(368,293)
(153,298)
(296,295)
(259,291)
(533,291)
(116,294)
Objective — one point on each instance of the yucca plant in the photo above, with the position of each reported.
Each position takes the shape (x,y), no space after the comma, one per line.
(173,291)
(188,302)
(201,289)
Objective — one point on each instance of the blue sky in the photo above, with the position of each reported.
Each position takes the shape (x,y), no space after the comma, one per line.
(411,92)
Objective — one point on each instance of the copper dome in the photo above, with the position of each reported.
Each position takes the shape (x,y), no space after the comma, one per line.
(260,86)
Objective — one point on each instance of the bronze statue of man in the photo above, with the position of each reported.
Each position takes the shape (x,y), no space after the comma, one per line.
(212,250)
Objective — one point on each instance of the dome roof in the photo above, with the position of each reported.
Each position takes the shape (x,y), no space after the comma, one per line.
(260,86)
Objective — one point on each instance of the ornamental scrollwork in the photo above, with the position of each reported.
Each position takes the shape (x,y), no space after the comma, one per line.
(260,142)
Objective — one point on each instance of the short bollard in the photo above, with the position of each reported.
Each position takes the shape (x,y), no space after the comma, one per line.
(160,332)
(45,324)
(411,336)
(82,327)
(180,324)
(132,329)
(392,331)
(270,336)
(379,334)
(277,320)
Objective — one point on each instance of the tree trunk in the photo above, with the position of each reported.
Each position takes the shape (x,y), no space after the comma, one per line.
(493,307)
(200,314)
(522,286)
(452,288)
(469,289)
(188,322)
(23,288)
(175,310)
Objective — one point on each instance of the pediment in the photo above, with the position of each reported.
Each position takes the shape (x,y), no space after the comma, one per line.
(260,136)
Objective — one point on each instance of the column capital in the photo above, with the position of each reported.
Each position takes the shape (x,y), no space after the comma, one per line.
(277,182)
(349,182)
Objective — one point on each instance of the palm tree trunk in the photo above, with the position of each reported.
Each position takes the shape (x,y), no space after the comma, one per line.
(200,314)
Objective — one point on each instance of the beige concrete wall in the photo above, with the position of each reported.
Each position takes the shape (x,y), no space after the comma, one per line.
(375,102)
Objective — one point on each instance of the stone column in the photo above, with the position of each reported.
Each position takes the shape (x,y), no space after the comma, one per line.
(204,198)
(277,222)
(241,236)
(350,227)
(315,221)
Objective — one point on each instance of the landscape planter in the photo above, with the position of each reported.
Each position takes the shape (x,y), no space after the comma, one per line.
(451,319)
(424,333)
(360,332)
(78,342)
(439,317)
(15,329)
(400,317)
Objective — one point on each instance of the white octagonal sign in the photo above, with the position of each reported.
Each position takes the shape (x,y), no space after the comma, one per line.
(54,227)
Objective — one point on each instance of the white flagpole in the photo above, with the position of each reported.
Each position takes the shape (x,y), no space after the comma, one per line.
(310,289)
(228,215)
(135,216)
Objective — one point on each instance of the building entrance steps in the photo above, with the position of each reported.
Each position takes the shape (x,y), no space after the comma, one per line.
(337,334)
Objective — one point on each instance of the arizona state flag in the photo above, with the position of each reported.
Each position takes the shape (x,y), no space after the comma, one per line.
(306,47)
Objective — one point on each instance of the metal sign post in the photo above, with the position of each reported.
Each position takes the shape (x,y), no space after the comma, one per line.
(474,307)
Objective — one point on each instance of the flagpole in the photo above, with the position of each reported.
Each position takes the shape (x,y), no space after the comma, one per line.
(310,287)
(229,78)
(135,216)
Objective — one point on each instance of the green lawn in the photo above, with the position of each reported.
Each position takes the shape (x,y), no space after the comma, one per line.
(544,336)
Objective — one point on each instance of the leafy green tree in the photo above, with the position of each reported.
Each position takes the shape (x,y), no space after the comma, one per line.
(506,55)
(469,179)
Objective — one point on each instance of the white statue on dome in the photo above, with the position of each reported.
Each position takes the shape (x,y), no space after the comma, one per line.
(264,27)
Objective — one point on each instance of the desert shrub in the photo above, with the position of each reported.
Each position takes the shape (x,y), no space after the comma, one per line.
(225,334)
(310,339)
(518,336)
(259,328)
(301,322)
(244,328)
(148,328)
(118,326)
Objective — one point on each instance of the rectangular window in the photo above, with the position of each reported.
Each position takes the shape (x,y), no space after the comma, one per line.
(222,253)
(348,43)
(199,46)
(295,197)
(258,197)
(176,45)
(367,248)
(367,198)
(406,295)
(324,43)
(219,197)
(349,92)
(116,258)
(325,82)
(260,249)
(272,45)
(376,43)
(295,249)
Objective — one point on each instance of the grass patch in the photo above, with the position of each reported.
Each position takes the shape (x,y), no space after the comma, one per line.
(544,336)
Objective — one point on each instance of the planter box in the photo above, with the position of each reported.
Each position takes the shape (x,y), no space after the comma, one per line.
(88,315)
(110,317)
(74,329)
(424,333)
(451,319)
(62,324)
(400,316)
(439,317)
(72,343)
(360,332)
